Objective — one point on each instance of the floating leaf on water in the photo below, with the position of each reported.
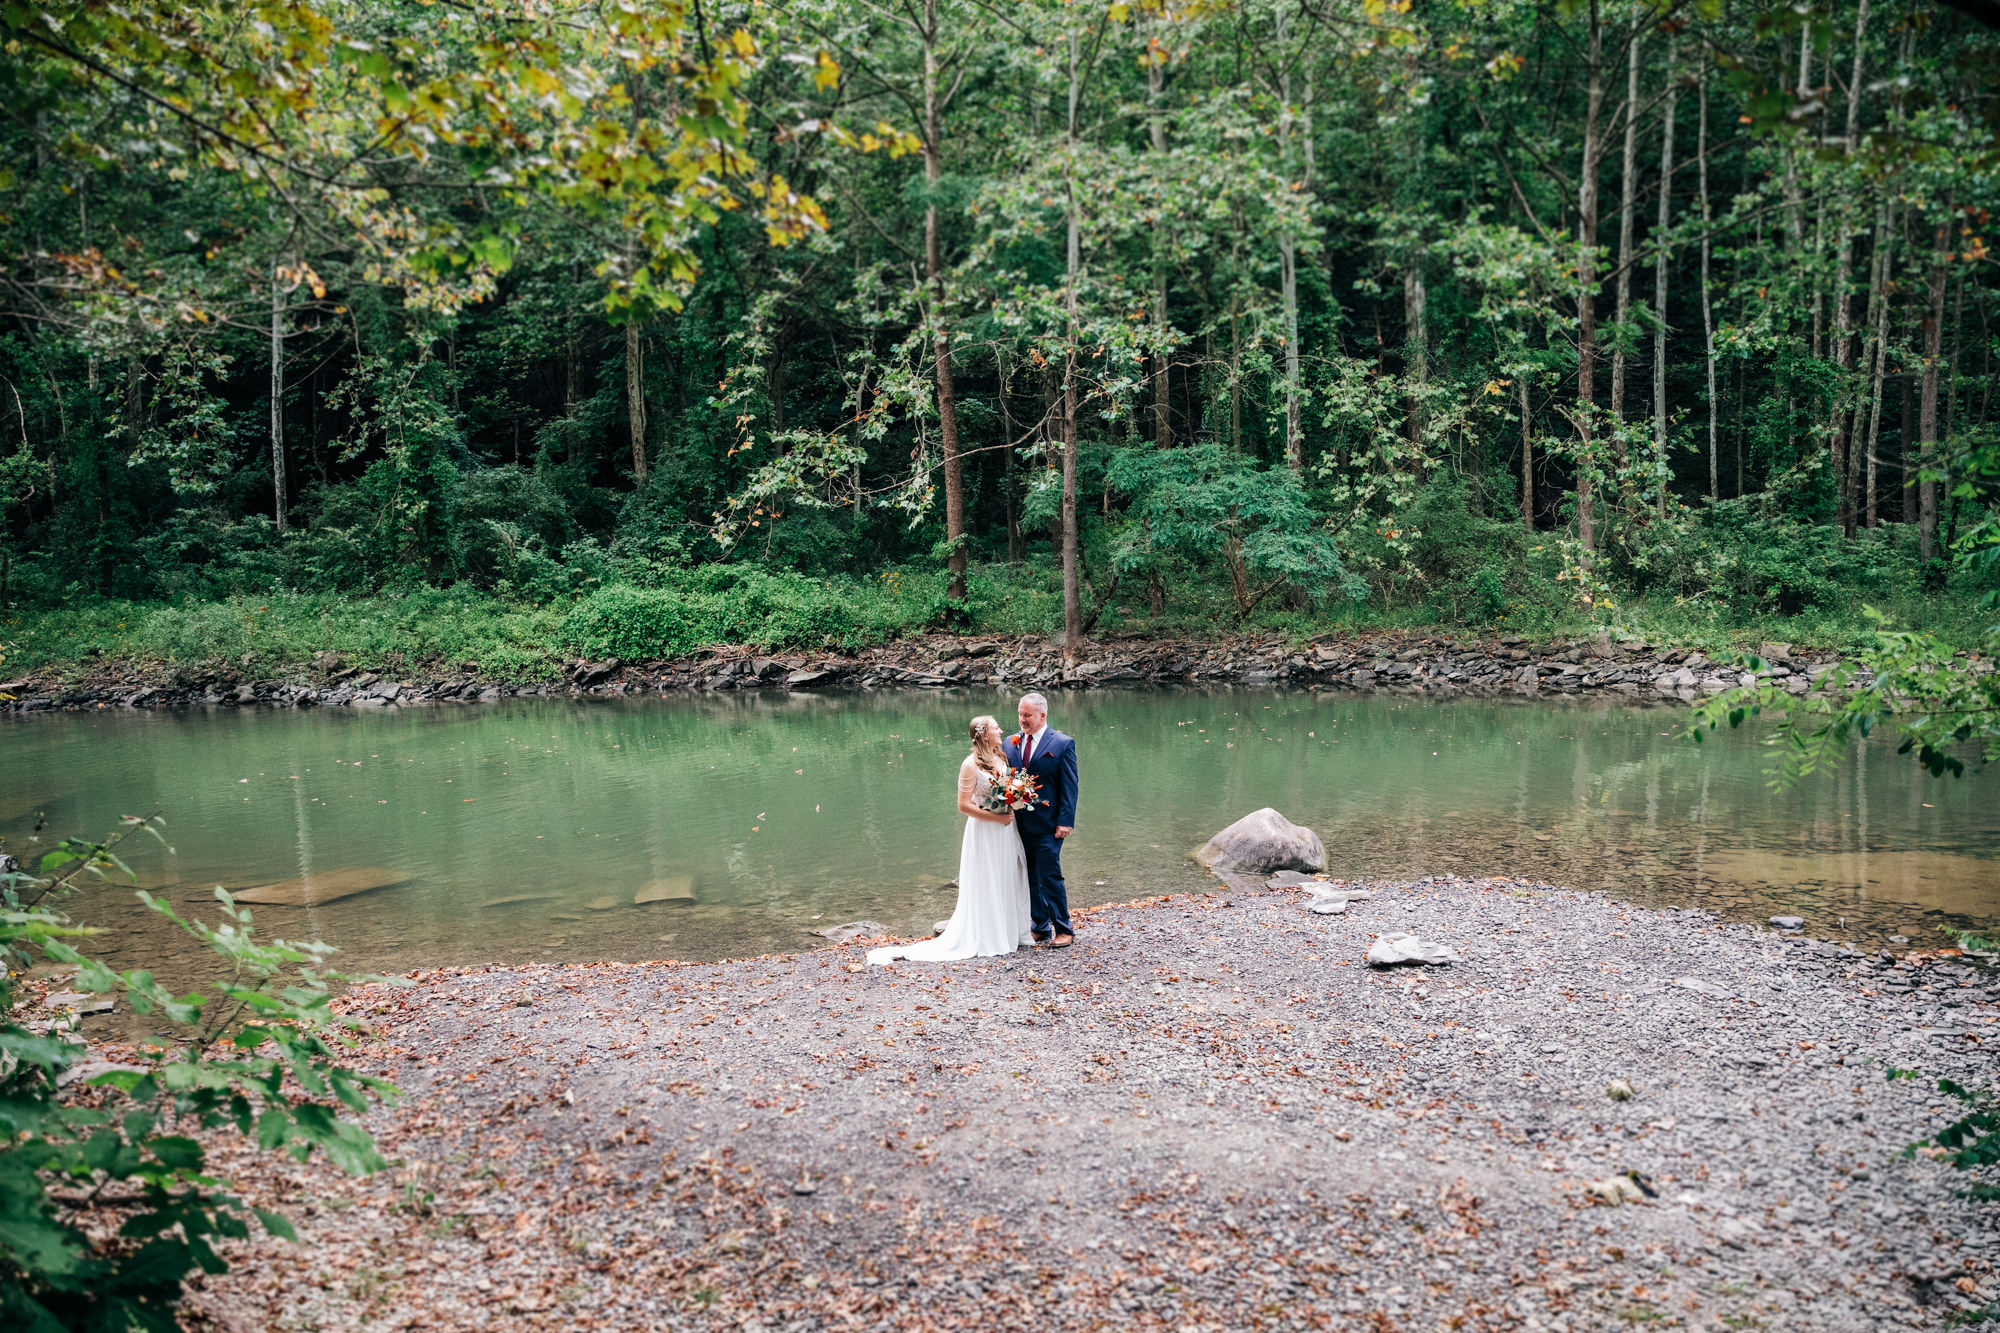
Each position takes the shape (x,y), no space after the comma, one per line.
(325,886)
(672,889)
(511,899)
(604,903)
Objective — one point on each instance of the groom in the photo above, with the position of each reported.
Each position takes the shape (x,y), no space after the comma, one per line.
(1050,757)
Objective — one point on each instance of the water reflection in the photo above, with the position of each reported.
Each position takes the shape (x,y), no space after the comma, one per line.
(724,825)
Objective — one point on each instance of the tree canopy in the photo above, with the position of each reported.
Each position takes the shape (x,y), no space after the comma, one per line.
(1421,304)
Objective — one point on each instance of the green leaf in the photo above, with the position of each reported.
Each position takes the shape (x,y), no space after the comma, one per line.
(277,1225)
(47,1052)
(177,1153)
(272,1127)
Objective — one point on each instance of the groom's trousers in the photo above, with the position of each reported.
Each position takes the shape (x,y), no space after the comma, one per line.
(1048,898)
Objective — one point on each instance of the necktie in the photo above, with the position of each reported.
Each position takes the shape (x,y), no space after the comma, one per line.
(1029,757)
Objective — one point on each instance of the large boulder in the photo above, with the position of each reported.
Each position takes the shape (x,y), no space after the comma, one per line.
(1262,842)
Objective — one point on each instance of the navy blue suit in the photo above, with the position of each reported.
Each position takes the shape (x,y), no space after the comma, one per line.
(1054,768)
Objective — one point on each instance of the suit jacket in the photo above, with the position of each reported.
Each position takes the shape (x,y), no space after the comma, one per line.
(1054,768)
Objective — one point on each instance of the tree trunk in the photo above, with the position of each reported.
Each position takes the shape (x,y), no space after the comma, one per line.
(1239,578)
(1527,459)
(1660,298)
(1927,425)
(1628,180)
(774,380)
(1288,285)
(1235,380)
(1072,583)
(1163,427)
(635,395)
(1009,501)
(1906,434)
(1288,264)
(1950,427)
(1795,204)
(278,396)
(1586,281)
(954,472)
(1742,429)
(1843,322)
(1416,351)
(135,369)
(1878,353)
(1051,452)
(1845,443)
(1708,307)
(1985,361)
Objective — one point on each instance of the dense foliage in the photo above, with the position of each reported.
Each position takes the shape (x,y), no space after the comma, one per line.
(643,325)
(263,1053)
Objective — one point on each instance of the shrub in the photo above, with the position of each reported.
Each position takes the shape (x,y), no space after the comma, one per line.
(1753,563)
(262,1055)
(632,623)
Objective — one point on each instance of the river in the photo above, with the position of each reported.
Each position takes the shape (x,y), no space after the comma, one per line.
(526,831)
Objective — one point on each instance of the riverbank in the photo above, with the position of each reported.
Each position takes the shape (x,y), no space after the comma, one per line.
(1405,661)
(1209,1114)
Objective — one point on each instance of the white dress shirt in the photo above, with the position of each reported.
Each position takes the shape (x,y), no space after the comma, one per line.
(1034,744)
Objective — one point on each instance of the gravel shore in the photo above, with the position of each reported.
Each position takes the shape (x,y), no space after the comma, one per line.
(1210,1114)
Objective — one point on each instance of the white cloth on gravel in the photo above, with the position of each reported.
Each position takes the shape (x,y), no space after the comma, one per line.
(992,915)
(1396,946)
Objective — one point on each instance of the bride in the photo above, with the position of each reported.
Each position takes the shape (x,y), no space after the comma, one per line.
(992,915)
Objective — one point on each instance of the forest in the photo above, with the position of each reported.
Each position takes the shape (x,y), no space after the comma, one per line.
(839,319)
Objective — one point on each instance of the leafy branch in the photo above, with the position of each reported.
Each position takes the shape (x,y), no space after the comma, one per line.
(265,1055)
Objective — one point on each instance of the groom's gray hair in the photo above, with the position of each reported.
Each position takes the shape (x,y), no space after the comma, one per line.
(1037,700)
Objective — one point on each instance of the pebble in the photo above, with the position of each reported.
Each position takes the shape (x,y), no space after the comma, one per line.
(1321,1127)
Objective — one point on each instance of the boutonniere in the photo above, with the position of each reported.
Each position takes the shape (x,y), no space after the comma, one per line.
(1014,740)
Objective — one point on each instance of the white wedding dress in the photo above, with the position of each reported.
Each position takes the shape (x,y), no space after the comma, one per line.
(992,915)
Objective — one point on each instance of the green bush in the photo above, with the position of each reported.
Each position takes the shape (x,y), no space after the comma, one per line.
(636,624)
(265,1054)
(1752,563)
(509,639)
(676,611)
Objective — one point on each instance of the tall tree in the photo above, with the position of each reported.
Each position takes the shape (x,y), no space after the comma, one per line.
(635,395)
(1842,437)
(1927,424)
(1876,357)
(1156,57)
(1628,182)
(1663,234)
(947,399)
(1707,303)
(1586,280)
(1288,245)
(1072,574)
(278,507)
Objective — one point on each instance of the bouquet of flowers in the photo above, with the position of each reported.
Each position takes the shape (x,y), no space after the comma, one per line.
(1015,791)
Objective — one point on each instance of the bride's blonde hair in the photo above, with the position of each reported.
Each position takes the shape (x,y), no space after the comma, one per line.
(977,730)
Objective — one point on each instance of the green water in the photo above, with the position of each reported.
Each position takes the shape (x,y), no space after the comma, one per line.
(523,831)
